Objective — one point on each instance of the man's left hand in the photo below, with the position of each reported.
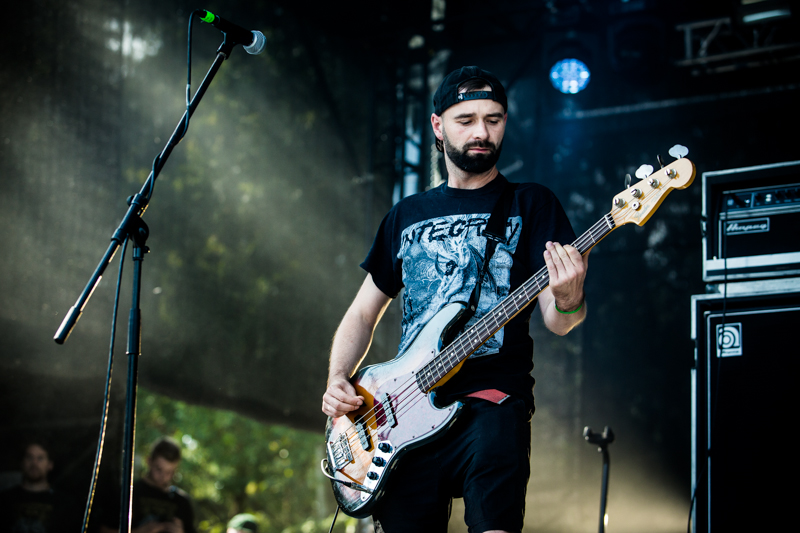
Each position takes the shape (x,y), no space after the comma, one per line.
(567,269)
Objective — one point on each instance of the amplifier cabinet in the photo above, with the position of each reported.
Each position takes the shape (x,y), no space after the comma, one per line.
(743,404)
(751,223)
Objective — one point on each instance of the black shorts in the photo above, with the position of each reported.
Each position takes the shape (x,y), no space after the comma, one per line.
(484,458)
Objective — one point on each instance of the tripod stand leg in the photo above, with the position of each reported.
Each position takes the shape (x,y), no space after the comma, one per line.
(604,491)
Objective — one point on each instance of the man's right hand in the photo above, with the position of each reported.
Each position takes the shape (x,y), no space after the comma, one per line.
(350,345)
(340,398)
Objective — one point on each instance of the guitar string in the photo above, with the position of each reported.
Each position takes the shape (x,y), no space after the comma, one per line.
(509,304)
(492,322)
(461,347)
(541,276)
(401,403)
(402,406)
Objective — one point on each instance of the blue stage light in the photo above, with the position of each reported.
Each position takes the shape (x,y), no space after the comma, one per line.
(570,76)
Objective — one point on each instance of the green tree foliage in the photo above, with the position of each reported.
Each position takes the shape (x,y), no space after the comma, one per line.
(233,464)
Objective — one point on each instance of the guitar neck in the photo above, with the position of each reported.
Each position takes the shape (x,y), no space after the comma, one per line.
(490,323)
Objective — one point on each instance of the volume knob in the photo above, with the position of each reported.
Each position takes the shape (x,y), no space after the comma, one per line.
(378,461)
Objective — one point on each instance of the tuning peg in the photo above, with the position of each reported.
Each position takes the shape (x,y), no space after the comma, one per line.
(660,161)
(643,171)
(628,180)
(678,151)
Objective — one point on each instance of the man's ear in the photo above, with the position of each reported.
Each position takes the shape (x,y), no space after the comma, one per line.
(436,124)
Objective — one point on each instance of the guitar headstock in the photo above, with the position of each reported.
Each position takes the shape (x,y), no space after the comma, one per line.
(637,203)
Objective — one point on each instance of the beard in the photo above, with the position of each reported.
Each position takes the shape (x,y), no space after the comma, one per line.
(472,163)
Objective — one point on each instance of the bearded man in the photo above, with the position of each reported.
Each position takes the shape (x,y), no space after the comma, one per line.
(432,246)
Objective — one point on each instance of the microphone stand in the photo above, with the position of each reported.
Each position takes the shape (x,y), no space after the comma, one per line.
(134,228)
(602,440)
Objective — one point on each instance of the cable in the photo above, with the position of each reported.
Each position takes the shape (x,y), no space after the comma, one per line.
(715,397)
(157,159)
(148,195)
(350,484)
(336,514)
(106,396)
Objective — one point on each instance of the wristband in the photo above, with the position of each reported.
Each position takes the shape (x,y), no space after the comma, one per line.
(568,312)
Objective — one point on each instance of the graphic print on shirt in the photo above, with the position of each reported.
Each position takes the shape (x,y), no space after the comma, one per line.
(441,260)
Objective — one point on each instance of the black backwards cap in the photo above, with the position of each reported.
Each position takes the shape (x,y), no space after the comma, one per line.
(447,94)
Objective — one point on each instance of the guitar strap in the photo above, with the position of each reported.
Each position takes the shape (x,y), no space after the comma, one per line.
(495,232)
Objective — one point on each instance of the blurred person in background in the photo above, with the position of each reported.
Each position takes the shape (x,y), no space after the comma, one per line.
(34,506)
(158,505)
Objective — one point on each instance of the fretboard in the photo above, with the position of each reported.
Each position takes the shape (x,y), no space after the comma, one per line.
(490,323)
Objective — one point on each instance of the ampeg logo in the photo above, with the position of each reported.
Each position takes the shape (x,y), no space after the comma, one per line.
(748,225)
(729,339)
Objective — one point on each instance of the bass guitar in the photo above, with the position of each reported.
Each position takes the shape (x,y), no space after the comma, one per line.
(398,414)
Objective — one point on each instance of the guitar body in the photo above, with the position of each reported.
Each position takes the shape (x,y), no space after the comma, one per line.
(397,416)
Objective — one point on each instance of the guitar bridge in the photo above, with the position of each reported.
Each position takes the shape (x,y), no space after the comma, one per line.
(340,453)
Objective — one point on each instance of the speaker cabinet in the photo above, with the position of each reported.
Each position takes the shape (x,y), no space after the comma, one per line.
(744,458)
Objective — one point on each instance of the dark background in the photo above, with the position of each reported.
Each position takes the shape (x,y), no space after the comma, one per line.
(264,211)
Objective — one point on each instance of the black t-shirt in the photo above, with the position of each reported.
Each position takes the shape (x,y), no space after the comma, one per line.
(431,244)
(24,511)
(151,504)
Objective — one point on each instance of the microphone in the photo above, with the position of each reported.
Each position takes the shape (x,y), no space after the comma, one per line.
(253,42)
